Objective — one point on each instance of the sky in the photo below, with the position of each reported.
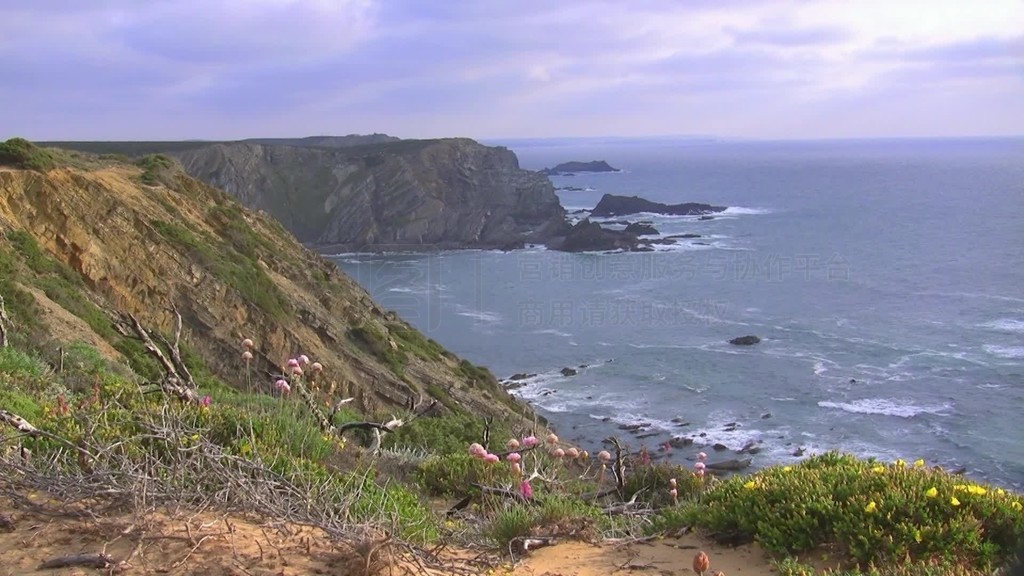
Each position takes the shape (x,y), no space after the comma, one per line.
(487,69)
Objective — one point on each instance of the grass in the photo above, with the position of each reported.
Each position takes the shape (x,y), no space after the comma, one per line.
(231,265)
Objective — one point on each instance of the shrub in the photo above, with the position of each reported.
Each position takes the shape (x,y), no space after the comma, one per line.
(877,512)
(21,153)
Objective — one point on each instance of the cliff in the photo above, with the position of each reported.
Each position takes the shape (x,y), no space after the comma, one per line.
(99,238)
(374,192)
(389,196)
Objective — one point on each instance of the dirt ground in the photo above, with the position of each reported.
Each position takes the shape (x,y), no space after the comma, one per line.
(34,530)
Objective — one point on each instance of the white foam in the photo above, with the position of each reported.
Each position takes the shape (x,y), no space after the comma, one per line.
(481,315)
(886,407)
(552,332)
(1008,352)
(738,210)
(819,368)
(1005,325)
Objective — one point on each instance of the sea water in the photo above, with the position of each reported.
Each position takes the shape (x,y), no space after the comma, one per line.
(885,280)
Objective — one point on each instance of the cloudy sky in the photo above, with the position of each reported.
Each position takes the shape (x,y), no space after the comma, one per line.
(225,69)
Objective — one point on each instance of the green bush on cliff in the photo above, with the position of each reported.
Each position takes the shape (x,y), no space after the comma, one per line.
(876,513)
(157,169)
(21,153)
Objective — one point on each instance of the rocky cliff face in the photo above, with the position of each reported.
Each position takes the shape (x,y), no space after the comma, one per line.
(407,194)
(232,274)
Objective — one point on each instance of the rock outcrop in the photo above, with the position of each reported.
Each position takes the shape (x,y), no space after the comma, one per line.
(377,193)
(748,340)
(575,167)
(119,245)
(612,205)
(587,236)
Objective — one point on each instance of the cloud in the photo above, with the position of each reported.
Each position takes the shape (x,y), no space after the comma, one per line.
(189,69)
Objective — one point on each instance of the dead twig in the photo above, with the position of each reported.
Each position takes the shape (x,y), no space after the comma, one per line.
(97,560)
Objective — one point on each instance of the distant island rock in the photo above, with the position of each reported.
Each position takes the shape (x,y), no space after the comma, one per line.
(748,340)
(575,167)
(612,205)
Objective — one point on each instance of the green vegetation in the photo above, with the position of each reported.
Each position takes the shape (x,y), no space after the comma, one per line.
(224,260)
(158,169)
(21,153)
(367,336)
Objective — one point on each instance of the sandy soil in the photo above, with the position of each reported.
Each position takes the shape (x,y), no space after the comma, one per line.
(665,557)
(34,530)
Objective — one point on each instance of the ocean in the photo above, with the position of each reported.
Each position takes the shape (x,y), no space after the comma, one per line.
(884,277)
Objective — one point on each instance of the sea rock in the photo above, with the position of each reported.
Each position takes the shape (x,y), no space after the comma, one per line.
(574,167)
(520,376)
(569,371)
(719,446)
(612,205)
(587,236)
(681,442)
(686,236)
(748,340)
(641,229)
(731,465)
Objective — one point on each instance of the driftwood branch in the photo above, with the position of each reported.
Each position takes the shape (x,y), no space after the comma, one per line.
(3,323)
(19,423)
(175,350)
(172,382)
(98,560)
(619,468)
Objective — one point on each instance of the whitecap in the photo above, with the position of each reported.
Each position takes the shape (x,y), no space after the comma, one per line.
(741,210)
(1005,325)
(1008,352)
(886,407)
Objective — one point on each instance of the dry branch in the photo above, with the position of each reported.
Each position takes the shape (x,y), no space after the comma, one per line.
(19,423)
(172,382)
(3,323)
(98,560)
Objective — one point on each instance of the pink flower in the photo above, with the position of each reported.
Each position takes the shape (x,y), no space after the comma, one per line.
(282,386)
(700,472)
(526,490)
(604,456)
(477,450)
(702,456)
(205,402)
(513,444)
(700,466)
(674,493)
(296,370)
(292,362)
(303,359)
(247,356)
(552,438)
(558,453)
(491,458)
(530,441)
(516,468)
(572,453)
(672,482)
(514,457)
(318,367)
(247,343)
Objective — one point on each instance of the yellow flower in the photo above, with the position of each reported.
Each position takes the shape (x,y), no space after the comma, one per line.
(954,501)
(878,469)
(978,490)
(871,507)
(917,536)
(750,485)
(1016,506)
(900,463)
(919,463)
(787,468)
(1000,491)
(931,492)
